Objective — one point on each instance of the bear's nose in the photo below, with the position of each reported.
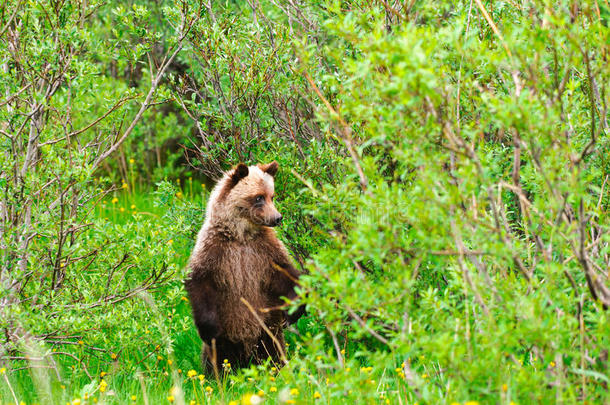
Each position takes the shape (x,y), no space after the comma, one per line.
(277,220)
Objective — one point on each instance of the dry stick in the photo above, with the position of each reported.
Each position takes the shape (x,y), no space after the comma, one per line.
(266,329)
(346,131)
(457,104)
(367,327)
(336,344)
(11,388)
(465,272)
(581,328)
(143,108)
(493,26)
(147,102)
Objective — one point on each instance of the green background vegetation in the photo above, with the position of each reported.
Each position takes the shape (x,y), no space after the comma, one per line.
(443,179)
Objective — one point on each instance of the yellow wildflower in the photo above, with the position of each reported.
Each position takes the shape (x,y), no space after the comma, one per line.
(294,391)
(504,387)
(122,209)
(133,206)
(191,374)
(291,401)
(103,373)
(424,376)
(3,370)
(170,398)
(115,200)
(113,356)
(233,402)
(80,342)
(271,379)
(273,389)
(316,395)
(169,242)
(471,403)
(159,358)
(103,386)
(179,371)
(179,194)
(125,186)
(209,389)
(133,397)
(192,402)
(131,161)
(169,362)
(76,401)
(552,364)
(201,377)
(250,399)
(184,299)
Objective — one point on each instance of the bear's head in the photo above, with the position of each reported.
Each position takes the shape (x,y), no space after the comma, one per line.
(246,193)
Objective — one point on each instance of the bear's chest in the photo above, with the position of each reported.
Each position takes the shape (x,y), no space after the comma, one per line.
(244,270)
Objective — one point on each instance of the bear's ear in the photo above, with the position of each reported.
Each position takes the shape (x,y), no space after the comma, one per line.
(241,171)
(270,168)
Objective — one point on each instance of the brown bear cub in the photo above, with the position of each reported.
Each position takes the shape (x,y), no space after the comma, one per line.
(237,258)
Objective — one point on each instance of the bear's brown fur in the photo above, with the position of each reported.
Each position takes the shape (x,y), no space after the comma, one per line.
(238,257)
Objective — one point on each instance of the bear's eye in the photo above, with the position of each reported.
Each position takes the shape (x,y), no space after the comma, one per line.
(259,199)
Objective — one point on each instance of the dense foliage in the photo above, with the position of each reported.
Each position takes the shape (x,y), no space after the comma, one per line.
(444,183)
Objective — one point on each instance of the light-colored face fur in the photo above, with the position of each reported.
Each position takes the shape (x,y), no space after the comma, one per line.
(242,201)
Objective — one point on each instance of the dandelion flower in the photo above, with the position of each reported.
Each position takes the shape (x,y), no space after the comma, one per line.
(103,386)
(3,370)
(316,395)
(131,161)
(113,356)
(169,242)
(122,209)
(201,377)
(80,342)
(209,389)
(273,389)
(179,194)
(133,397)
(169,362)
(103,373)
(291,401)
(115,200)
(191,374)
(192,402)
(170,398)
(233,402)
(159,358)
(504,387)
(552,364)
(471,403)
(133,206)
(260,393)
(76,401)
(125,186)
(294,392)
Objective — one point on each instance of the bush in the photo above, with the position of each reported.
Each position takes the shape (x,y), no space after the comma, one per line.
(443,179)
